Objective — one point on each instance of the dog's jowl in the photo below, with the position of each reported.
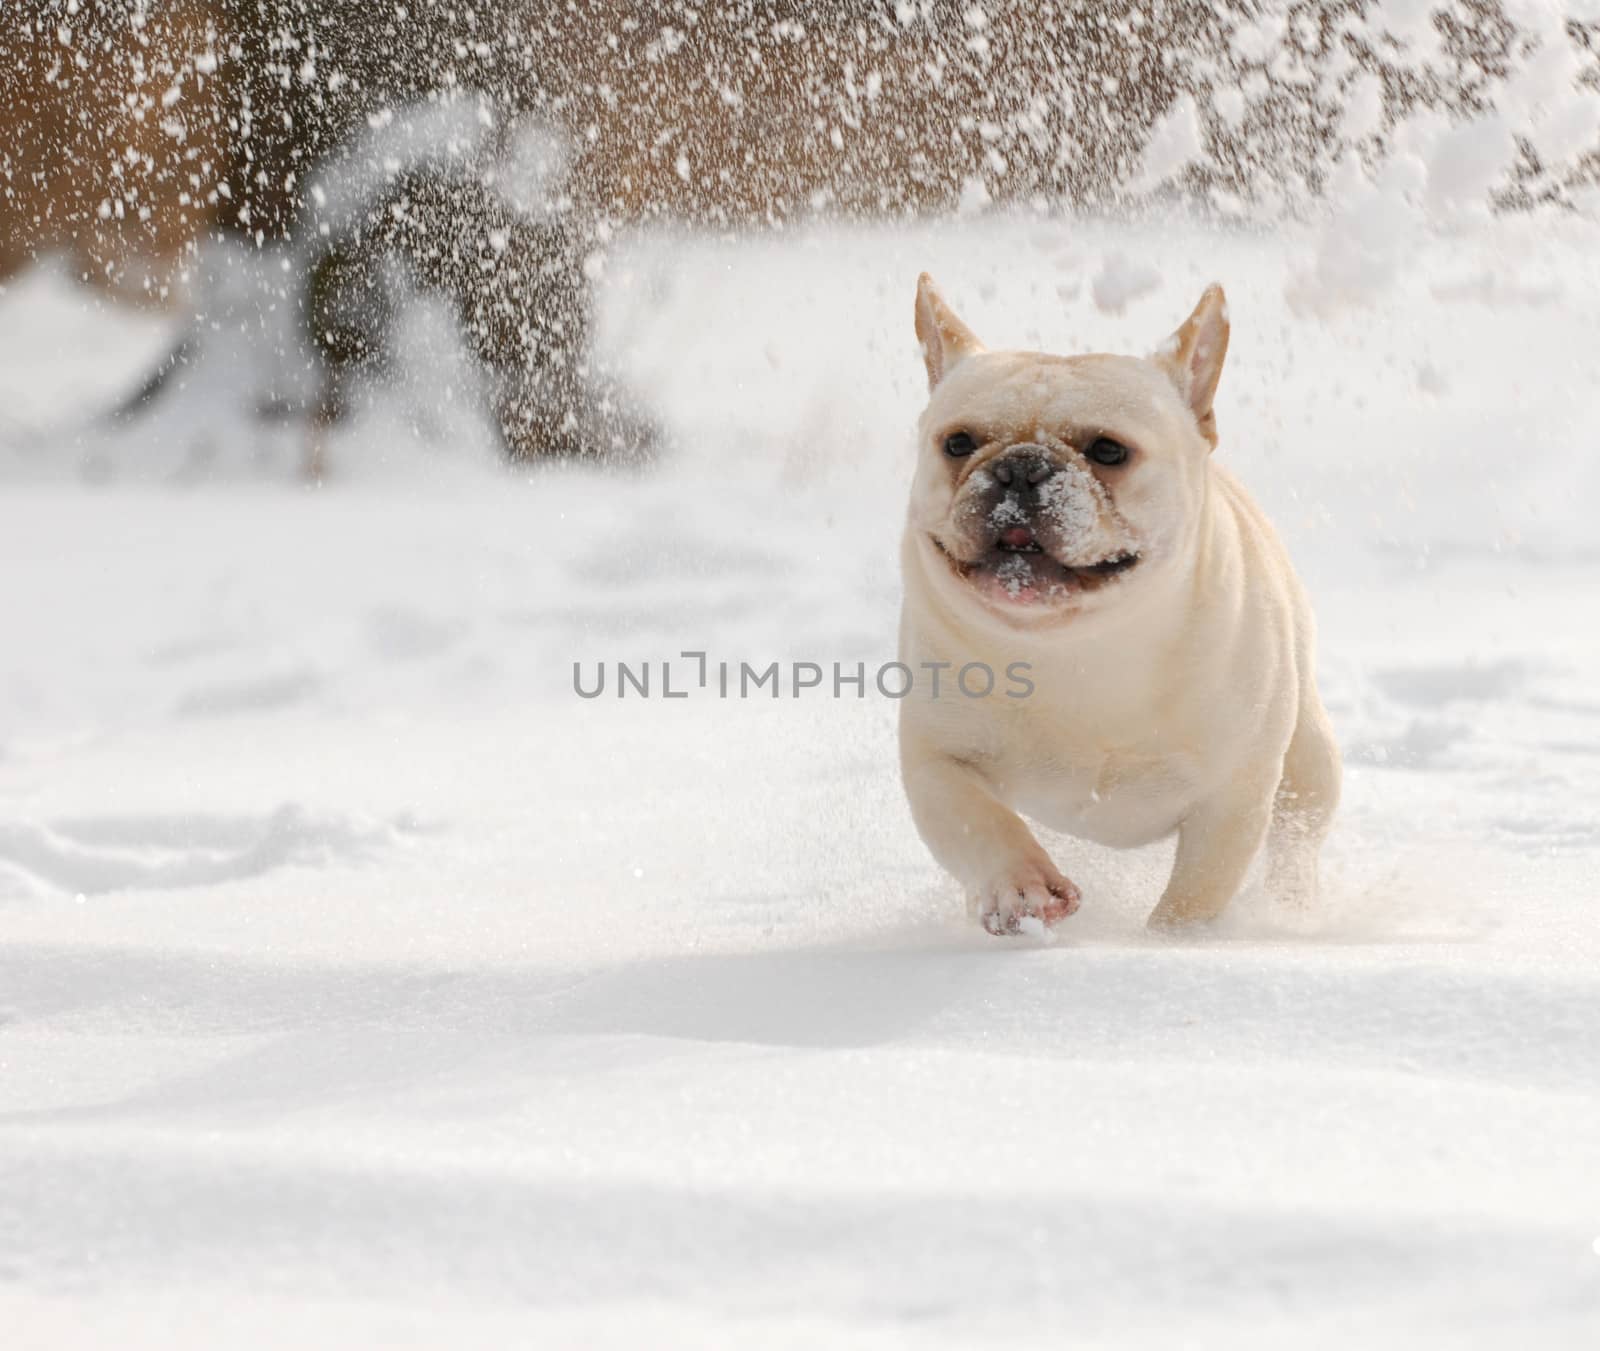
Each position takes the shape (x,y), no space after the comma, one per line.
(1069,512)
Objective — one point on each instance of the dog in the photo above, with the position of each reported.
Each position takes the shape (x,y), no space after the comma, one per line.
(1067,512)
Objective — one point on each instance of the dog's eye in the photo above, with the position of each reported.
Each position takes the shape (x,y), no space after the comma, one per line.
(959,444)
(1105,451)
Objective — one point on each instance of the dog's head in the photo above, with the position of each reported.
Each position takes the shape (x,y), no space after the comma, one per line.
(1049,486)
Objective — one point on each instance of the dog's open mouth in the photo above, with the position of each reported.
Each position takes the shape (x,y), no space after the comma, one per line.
(1017,571)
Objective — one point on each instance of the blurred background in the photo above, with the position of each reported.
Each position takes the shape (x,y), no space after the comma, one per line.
(365,367)
(291,183)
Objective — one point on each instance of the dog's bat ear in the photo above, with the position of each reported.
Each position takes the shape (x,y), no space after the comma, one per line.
(1193,357)
(945,339)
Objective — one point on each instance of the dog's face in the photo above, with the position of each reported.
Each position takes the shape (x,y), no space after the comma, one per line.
(1050,486)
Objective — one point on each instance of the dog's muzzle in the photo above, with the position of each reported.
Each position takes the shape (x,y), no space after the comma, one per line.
(1029,527)
(1020,476)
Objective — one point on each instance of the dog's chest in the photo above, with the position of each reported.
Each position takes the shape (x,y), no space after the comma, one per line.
(1112,800)
(1119,791)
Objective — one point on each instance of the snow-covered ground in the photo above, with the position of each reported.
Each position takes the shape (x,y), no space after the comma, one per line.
(361,985)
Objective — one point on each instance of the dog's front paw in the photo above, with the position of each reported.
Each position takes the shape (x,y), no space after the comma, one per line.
(1027,897)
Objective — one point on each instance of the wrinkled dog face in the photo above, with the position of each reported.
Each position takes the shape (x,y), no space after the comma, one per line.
(1047,486)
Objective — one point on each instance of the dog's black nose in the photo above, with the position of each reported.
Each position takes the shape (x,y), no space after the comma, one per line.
(1027,463)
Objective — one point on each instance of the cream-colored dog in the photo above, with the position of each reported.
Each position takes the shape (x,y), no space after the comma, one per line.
(1067,513)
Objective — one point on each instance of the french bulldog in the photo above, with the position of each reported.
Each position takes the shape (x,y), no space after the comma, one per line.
(1067,512)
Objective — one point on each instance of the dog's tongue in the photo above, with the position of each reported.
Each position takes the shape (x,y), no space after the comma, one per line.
(1017,537)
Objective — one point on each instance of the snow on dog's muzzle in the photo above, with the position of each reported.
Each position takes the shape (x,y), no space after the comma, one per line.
(1036,525)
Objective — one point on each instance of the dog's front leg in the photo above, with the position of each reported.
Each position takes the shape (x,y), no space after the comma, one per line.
(985,845)
(1216,844)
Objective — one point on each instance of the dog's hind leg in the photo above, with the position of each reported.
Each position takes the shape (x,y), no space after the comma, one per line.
(1302,809)
(1217,843)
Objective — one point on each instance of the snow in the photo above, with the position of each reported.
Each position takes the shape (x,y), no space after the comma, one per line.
(361,985)
(1467,160)
(1075,503)
(1120,281)
(1175,141)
